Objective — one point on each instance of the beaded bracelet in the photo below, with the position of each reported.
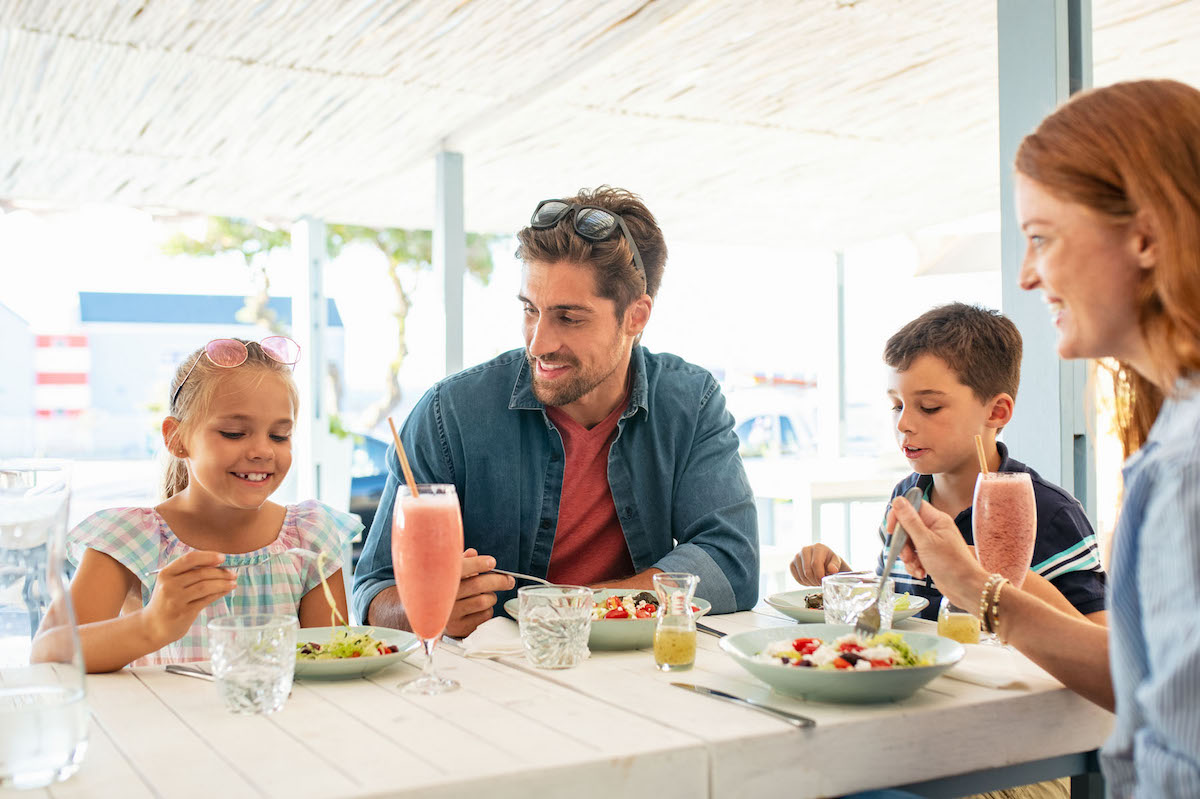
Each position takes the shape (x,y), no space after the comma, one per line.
(993,615)
(984,594)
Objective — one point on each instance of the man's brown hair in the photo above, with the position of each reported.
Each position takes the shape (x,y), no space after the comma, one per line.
(611,260)
(981,346)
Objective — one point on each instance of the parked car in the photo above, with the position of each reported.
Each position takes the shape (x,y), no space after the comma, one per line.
(774,435)
(368,474)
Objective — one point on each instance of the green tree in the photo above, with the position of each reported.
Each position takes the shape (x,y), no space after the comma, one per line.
(407,253)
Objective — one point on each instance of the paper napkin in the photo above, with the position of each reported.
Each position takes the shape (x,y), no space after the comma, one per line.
(496,637)
(996,667)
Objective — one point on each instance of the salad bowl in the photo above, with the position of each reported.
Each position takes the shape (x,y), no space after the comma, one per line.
(617,634)
(848,685)
(349,666)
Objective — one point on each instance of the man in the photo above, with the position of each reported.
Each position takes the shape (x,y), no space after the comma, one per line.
(582,458)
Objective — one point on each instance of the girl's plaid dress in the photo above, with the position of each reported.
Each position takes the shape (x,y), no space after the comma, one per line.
(270,580)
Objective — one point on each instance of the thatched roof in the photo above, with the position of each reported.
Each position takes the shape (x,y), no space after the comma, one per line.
(823,121)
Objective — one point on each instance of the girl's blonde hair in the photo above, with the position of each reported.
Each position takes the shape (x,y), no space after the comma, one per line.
(1131,151)
(196,397)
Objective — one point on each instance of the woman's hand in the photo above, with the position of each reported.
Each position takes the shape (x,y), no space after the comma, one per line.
(936,548)
(185,587)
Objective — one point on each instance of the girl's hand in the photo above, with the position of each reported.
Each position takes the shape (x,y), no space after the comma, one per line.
(936,547)
(185,586)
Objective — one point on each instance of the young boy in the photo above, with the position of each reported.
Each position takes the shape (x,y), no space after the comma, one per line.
(954,374)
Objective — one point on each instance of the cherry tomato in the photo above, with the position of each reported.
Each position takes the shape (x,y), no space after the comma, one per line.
(646,612)
(806,646)
(849,646)
(881,664)
(617,613)
(841,663)
(356,655)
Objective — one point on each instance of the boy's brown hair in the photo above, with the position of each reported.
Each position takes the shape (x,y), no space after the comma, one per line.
(981,346)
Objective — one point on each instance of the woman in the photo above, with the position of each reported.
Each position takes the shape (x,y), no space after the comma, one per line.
(1108,197)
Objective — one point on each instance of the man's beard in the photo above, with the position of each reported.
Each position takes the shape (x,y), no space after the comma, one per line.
(566,390)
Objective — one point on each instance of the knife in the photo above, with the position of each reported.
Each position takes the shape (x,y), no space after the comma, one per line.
(794,719)
(704,628)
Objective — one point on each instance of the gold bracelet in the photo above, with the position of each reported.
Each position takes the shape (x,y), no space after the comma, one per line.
(994,611)
(983,596)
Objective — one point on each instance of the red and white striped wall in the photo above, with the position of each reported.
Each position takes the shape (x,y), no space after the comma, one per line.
(61,364)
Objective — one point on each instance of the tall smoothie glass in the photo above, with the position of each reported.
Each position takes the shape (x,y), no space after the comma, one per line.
(427,551)
(1005,523)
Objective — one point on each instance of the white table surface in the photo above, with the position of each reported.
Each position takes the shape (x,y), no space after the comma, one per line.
(610,727)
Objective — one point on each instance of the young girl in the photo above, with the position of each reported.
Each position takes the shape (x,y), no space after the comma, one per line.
(215,546)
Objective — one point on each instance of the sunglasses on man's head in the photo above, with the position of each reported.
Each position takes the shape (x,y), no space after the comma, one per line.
(592,223)
(229,353)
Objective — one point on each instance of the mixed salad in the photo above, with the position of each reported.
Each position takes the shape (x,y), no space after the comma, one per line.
(345,644)
(816,601)
(642,605)
(883,651)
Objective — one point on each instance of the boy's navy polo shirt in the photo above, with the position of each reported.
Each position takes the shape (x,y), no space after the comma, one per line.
(1064,552)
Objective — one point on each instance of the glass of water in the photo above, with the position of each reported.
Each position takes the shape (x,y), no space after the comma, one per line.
(254,660)
(555,623)
(847,594)
(43,715)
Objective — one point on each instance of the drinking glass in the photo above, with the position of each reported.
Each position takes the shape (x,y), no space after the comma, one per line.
(555,622)
(43,715)
(254,660)
(1004,523)
(675,628)
(427,552)
(848,594)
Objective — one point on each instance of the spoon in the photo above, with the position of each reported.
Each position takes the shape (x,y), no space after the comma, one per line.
(868,621)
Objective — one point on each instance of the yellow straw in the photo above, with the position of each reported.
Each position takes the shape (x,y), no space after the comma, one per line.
(979,450)
(408,475)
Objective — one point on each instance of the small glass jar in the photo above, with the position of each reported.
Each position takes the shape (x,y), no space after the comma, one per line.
(956,623)
(675,628)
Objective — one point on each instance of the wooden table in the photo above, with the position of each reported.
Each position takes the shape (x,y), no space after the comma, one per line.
(610,727)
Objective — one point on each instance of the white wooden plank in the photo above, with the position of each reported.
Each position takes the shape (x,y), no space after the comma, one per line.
(105,771)
(270,760)
(173,758)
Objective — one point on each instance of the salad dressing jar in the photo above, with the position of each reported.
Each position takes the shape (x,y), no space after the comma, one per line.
(675,629)
(957,624)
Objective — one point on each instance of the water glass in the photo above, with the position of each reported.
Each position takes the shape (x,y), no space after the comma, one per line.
(555,622)
(254,659)
(848,594)
(43,712)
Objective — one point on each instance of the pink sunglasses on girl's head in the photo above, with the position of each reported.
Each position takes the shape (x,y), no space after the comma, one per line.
(229,352)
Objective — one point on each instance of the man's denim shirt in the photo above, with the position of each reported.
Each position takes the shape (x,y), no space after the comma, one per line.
(678,484)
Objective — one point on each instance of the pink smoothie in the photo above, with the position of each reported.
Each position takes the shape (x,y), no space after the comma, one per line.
(1005,523)
(427,550)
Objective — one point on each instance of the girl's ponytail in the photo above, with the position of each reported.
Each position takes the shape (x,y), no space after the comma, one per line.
(176,477)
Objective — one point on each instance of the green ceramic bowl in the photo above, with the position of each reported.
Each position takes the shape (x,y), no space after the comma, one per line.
(349,668)
(791,603)
(876,685)
(611,634)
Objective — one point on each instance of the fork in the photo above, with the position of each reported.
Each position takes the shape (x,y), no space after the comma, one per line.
(868,620)
(520,576)
(290,551)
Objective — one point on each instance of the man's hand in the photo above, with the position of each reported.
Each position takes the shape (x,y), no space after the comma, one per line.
(476,598)
(816,561)
(185,587)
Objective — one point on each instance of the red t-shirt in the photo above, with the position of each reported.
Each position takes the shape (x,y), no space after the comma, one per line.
(589,545)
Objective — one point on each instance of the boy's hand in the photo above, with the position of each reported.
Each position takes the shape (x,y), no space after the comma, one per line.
(814,562)
(185,587)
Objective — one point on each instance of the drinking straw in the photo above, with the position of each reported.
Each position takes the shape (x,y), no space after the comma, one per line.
(978,450)
(408,475)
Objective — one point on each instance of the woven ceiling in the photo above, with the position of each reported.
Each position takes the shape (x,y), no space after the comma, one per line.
(818,121)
